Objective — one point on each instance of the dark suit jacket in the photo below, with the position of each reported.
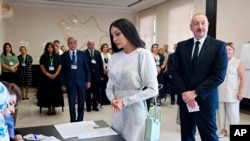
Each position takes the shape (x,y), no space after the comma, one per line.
(208,73)
(97,68)
(71,77)
(170,63)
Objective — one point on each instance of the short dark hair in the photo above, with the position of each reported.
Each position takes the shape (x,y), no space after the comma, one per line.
(231,45)
(129,31)
(56,41)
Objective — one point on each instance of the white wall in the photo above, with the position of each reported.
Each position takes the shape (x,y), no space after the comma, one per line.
(38,25)
(233,22)
(173,19)
(2,33)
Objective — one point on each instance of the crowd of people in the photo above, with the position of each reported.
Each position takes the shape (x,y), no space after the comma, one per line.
(126,75)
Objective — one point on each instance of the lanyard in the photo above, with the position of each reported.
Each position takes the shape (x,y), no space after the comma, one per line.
(92,54)
(106,59)
(24,58)
(51,60)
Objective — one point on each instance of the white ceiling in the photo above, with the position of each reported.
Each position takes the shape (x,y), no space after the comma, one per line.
(134,5)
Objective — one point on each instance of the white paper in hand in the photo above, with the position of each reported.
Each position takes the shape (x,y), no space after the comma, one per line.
(194,109)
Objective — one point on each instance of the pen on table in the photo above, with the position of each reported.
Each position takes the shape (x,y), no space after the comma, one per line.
(35,137)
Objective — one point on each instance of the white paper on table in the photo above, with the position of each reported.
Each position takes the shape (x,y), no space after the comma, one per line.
(98,132)
(40,137)
(195,109)
(51,138)
(92,124)
(70,130)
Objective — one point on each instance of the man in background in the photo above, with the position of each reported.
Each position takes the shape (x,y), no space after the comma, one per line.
(95,63)
(57,46)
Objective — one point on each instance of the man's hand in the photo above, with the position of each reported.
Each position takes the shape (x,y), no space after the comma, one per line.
(189,98)
(88,84)
(64,88)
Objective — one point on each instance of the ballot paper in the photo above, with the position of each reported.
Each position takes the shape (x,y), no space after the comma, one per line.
(83,130)
(98,132)
(194,109)
(39,137)
(70,130)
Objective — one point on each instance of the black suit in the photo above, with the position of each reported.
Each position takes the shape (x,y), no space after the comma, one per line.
(170,78)
(207,74)
(95,64)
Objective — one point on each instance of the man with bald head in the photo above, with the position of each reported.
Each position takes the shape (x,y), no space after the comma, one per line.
(199,68)
(95,63)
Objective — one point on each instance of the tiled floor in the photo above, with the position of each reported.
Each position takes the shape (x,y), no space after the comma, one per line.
(28,115)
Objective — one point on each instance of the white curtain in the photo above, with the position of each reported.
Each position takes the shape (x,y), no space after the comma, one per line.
(147,30)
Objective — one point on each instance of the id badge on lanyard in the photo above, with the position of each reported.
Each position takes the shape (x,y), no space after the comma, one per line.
(11,63)
(93,61)
(73,66)
(51,67)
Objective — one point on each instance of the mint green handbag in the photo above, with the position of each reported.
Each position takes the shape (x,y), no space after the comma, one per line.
(153,123)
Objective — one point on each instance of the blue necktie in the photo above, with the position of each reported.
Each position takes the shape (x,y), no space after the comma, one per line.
(73,57)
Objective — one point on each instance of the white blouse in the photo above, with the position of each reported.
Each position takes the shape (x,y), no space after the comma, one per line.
(229,88)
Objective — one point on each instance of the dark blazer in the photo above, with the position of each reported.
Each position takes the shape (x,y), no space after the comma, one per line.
(79,76)
(208,73)
(96,68)
(170,63)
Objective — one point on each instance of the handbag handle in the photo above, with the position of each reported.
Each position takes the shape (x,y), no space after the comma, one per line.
(157,110)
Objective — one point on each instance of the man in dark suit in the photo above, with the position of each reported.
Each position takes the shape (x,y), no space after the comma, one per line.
(197,73)
(95,63)
(75,78)
(170,62)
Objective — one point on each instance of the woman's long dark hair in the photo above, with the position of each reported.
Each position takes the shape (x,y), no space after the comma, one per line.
(129,31)
(46,52)
(4,49)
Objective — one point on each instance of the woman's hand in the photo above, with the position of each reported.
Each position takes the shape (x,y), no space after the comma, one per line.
(117,104)
(239,96)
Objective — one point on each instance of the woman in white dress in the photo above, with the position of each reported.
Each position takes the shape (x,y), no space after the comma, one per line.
(130,69)
(230,93)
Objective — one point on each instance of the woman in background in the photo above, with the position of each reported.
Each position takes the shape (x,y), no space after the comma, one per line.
(231,93)
(24,72)
(160,66)
(130,68)
(110,51)
(105,58)
(9,64)
(63,48)
(49,93)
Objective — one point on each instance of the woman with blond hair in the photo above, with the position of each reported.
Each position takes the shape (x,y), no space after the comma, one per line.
(24,71)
